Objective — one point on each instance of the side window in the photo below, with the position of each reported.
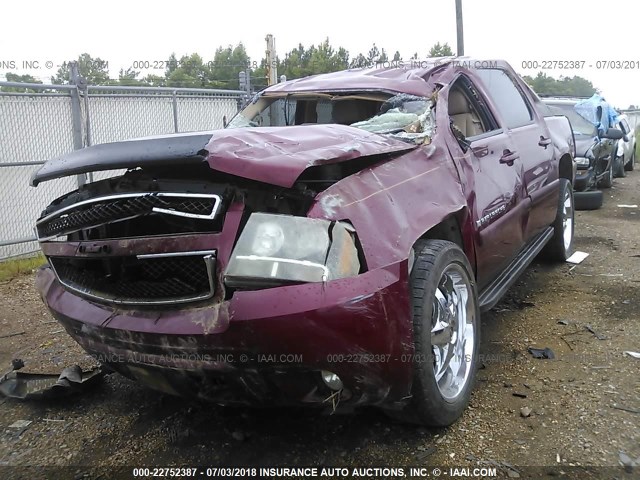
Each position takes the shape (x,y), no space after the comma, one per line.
(507,97)
(467,110)
(625,126)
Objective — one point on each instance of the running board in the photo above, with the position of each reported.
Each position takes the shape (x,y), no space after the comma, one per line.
(498,287)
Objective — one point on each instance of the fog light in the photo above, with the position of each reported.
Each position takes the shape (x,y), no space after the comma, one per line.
(331,380)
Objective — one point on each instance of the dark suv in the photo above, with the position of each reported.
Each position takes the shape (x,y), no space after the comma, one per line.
(594,153)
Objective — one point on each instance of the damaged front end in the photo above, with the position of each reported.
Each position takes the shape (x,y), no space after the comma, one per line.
(207,279)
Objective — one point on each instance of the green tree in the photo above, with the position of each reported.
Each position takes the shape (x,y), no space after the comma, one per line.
(576,86)
(359,61)
(227,64)
(129,77)
(443,50)
(14,77)
(373,55)
(324,58)
(94,70)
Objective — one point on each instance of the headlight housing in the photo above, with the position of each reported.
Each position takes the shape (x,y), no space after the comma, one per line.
(280,249)
(582,161)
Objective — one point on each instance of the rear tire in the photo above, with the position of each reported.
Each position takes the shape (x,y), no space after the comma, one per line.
(591,200)
(631,163)
(446,334)
(619,170)
(560,247)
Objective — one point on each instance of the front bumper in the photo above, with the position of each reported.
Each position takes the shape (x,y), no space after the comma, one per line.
(260,347)
(583,179)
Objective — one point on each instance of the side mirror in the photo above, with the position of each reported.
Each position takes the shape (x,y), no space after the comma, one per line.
(625,138)
(224,121)
(613,134)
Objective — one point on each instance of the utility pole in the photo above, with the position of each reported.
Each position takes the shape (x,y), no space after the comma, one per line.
(459,28)
(272,68)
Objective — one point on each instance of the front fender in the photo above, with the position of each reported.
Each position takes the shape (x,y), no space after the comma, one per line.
(392,204)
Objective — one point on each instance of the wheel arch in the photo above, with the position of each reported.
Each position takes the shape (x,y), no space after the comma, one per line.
(456,228)
(566,168)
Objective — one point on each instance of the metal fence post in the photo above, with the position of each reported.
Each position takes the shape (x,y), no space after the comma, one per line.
(76,115)
(175,111)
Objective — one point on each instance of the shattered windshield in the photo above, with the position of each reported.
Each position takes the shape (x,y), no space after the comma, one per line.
(403,116)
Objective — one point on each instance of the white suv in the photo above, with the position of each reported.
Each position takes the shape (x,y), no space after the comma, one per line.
(626,151)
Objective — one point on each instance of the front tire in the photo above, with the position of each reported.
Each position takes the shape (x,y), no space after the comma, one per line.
(560,247)
(607,179)
(446,334)
(631,163)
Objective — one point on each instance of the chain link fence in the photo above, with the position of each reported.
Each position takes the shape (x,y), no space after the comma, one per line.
(39,122)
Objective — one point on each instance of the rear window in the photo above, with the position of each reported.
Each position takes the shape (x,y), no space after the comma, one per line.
(578,124)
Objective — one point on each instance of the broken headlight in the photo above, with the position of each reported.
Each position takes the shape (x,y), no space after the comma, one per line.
(582,161)
(280,249)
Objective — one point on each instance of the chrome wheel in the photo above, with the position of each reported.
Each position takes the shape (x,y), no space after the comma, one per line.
(567,219)
(453,327)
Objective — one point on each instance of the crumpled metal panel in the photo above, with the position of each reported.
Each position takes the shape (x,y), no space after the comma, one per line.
(279,155)
(393,204)
(183,148)
(402,80)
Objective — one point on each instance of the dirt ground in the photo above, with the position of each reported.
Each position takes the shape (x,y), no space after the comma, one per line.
(584,405)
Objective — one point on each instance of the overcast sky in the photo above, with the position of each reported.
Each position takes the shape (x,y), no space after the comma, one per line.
(536,30)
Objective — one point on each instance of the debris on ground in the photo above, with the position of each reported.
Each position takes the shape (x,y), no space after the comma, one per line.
(633,354)
(14,334)
(596,334)
(628,463)
(627,206)
(425,452)
(519,395)
(625,409)
(20,424)
(546,353)
(525,412)
(17,363)
(563,322)
(577,257)
(34,386)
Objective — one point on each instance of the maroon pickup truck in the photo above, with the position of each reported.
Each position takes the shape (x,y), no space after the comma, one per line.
(333,246)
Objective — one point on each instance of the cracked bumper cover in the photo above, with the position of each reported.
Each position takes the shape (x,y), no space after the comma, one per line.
(260,347)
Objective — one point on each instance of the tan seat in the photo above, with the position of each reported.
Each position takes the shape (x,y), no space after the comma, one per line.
(462,115)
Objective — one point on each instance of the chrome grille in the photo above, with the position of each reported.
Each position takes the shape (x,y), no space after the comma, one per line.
(114,208)
(147,279)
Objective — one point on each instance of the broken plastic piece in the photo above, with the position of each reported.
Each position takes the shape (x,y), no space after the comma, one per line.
(627,206)
(577,257)
(542,353)
(17,363)
(596,334)
(633,354)
(20,424)
(35,386)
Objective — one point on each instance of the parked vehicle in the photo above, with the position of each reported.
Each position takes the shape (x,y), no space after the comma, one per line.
(626,149)
(595,151)
(333,246)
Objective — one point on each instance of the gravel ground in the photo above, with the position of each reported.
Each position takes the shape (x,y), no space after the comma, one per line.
(582,408)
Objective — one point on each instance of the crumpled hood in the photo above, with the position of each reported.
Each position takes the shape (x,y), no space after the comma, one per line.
(178,149)
(279,155)
(276,155)
(583,144)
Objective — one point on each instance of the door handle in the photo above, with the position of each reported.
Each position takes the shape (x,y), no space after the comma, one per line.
(509,157)
(481,151)
(544,142)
